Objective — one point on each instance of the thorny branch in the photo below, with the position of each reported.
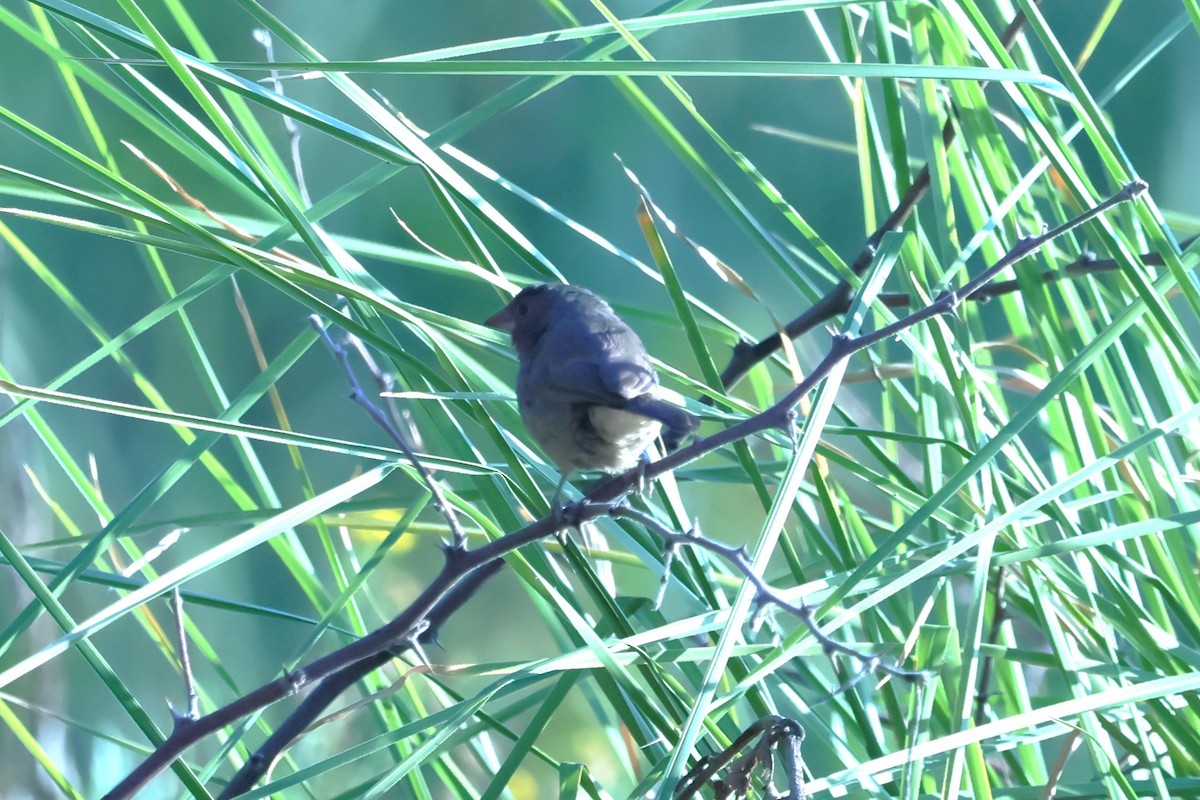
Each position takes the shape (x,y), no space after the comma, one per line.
(774,733)
(332,687)
(464,571)
(766,594)
(999,617)
(837,300)
(1086,264)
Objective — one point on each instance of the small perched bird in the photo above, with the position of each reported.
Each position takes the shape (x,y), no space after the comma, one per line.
(585,385)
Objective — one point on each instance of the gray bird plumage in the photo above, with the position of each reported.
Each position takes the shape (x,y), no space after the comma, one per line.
(585,385)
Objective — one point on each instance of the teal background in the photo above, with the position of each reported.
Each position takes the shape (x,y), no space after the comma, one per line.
(560,147)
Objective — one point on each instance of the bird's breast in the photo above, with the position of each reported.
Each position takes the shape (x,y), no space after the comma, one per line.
(586,436)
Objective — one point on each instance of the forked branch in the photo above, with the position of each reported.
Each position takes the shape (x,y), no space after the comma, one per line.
(464,571)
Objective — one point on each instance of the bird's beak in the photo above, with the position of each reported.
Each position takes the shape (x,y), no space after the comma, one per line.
(502,320)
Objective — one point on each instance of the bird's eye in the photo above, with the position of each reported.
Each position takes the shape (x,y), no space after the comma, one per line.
(522,309)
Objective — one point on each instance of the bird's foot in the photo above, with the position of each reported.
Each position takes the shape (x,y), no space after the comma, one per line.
(562,523)
(639,478)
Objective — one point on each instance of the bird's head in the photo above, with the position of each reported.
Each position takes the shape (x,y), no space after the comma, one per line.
(536,308)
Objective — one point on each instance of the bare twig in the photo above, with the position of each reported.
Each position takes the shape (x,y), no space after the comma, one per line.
(185,662)
(385,381)
(384,420)
(999,615)
(766,594)
(265,40)
(837,300)
(332,687)
(1086,264)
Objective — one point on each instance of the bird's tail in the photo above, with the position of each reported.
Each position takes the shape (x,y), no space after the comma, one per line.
(677,423)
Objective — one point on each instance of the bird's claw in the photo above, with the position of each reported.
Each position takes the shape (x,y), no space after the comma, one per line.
(562,525)
(795,426)
(639,477)
(571,516)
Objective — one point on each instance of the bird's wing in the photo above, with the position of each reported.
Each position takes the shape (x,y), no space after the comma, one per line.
(678,421)
(603,363)
(629,387)
(608,383)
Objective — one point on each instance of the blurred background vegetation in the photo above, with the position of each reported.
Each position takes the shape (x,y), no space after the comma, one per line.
(67,468)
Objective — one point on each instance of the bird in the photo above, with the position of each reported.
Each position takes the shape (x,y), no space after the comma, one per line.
(586,387)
